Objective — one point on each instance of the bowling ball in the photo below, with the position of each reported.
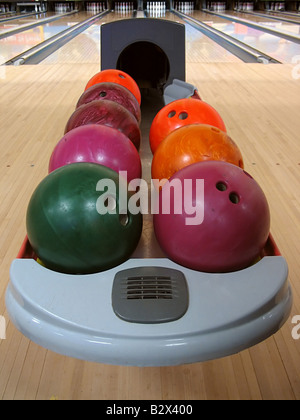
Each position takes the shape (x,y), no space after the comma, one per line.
(97,144)
(67,230)
(190,144)
(180,113)
(113,92)
(116,76)
(222,227)
(106,113)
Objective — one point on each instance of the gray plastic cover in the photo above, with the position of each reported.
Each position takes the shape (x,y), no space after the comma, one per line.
(178,89)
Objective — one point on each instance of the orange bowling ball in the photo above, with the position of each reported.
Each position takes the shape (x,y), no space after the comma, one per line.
(116,76)
(180,113)
(190,144)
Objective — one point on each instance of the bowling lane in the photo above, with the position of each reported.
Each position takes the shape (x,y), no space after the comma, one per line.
(16,44)
(200,48)
(86,46)
(283,26)
(260,16)
(283,14)
(279,48)
(26,20)
(279,13)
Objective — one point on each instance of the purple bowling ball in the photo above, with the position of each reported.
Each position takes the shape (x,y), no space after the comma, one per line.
(112,92)
(97,144)
(106,113)
(222,227)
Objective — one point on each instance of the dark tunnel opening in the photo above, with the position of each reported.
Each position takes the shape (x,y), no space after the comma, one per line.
(147,63)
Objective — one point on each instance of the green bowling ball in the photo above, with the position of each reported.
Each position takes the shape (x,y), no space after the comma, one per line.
(76,223)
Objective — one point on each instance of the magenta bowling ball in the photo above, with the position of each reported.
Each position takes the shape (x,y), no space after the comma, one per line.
(221,228)
(112,92)
(106,113)
(97,144)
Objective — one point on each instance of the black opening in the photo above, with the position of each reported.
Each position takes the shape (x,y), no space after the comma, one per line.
(146,63)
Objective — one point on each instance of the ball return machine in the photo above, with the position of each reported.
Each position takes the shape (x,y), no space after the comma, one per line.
(149,311)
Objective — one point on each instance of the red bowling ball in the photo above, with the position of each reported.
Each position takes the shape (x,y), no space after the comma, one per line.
(97,144)
(106,113)
(113,92)
(222,227)
(116,76)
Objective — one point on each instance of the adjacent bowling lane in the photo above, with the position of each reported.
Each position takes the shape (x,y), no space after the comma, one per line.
(16,44)
(86,46)
(19,20)
(199,48)
(275,46)
(266,16)
(268,21)
(286,15)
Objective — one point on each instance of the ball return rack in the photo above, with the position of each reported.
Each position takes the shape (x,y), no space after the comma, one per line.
(149,311)
(216,314)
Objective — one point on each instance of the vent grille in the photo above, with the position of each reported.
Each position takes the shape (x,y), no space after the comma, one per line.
(149,287)
(149,294)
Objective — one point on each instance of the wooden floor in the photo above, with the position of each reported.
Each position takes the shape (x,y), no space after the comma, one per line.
(260,107)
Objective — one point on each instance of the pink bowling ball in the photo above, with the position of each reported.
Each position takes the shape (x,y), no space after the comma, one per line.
(97,144)
(220,224)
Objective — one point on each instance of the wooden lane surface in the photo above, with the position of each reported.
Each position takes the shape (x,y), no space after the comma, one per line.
(199,47)
(85,47)
(260,107)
